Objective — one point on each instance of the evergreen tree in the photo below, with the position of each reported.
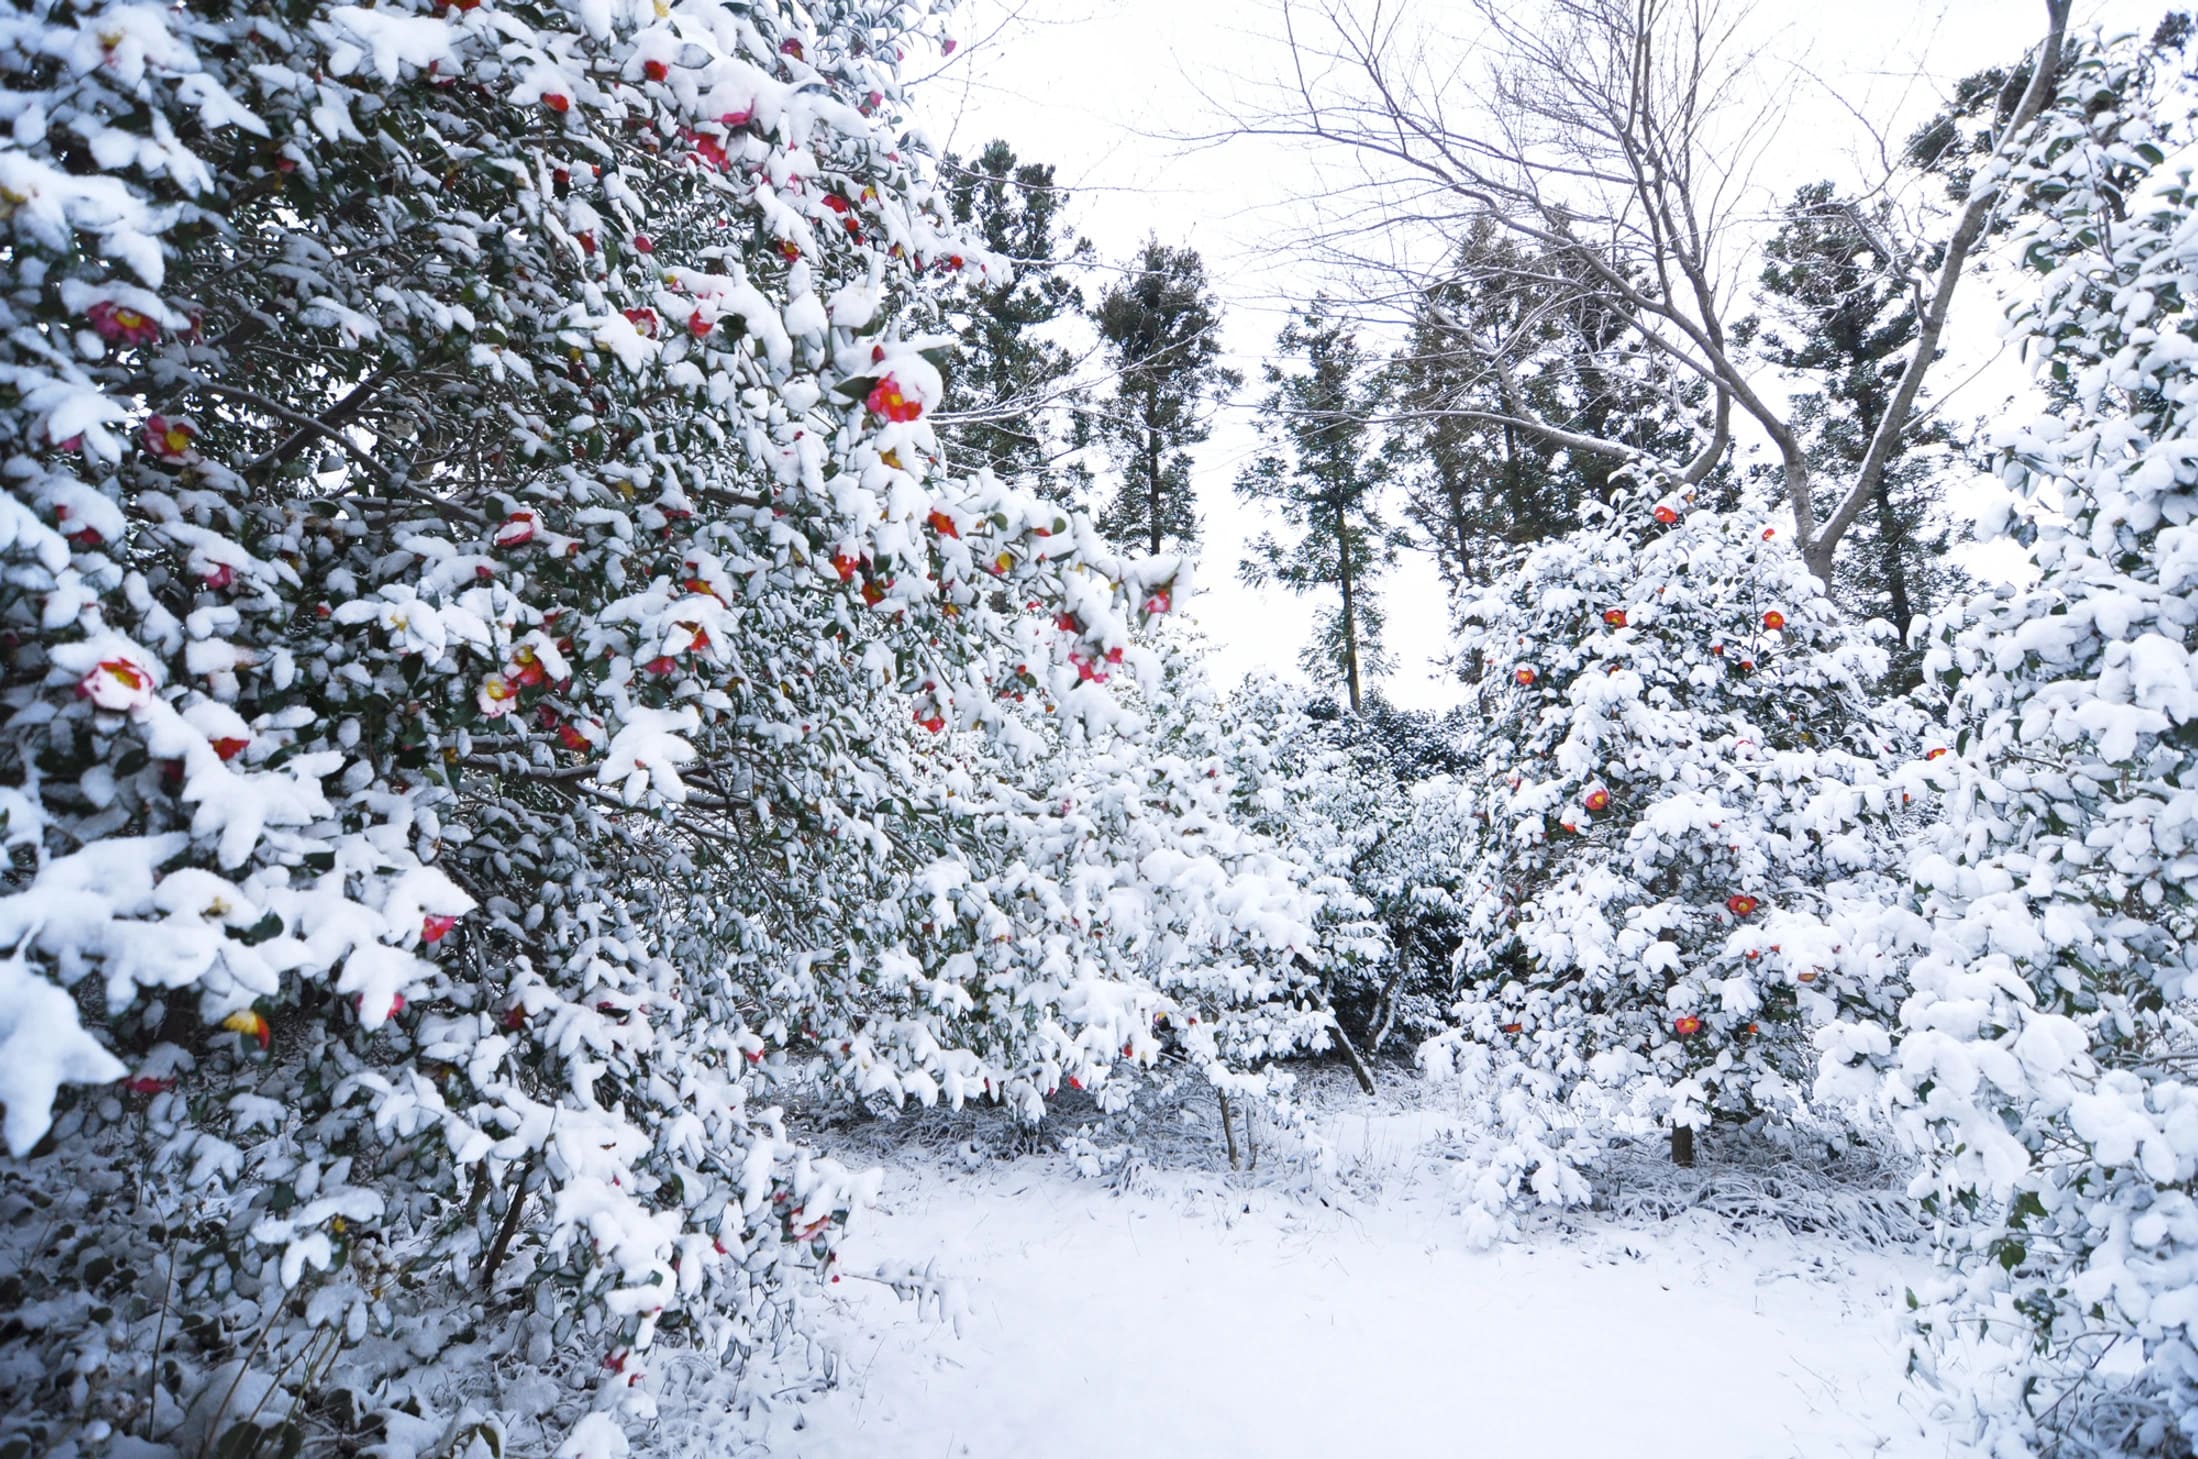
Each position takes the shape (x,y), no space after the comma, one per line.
(1319,472)
(1002,408)
(2044,1064)
(1846,314)
(1678,779)
(1504,340)
(1161,329)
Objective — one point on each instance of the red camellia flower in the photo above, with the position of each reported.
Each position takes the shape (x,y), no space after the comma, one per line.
(836,203)
(221,577)
(229,747)
(1686,1025)
(116,684)
(557,101)
(887,401)
(644,320)
(1512,1027)
(1597,799)
(434,927)
(661,665)
(873,594)
(1769,533)
(790,47)
(844,565)
(1934,753)
(933,722)
(1740,904)
(147,1084)
(1158,602)
(1665,516)
(642,243)
(698,326)
(655,70)
(571,738)
(251,1025)
(1774,620)
(789,250)
(943,524)
(517,531)
(1614,617)
(167,438)
(396,1004)
(120,324)
(1523,675)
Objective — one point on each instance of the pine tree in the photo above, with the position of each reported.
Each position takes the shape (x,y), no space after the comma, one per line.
(1319,472)
(1002,409)
(1161,328)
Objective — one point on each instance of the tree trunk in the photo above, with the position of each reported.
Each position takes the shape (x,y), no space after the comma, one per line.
(1682,1144)
(1350,612)
(1228,1128)
(1893,546)
(1152,485)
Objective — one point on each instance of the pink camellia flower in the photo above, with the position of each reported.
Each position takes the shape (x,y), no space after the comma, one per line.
(120,324)
(220,577)
(167,438)
(147,1084)
(947,46)
(116,684)
(434,927)
(790,47)
(642,243)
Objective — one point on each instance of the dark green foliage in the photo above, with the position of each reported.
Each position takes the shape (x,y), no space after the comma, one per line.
(1319,472)
(1004,396)
(1160,327)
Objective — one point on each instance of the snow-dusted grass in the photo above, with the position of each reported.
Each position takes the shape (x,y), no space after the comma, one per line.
(1173,1310)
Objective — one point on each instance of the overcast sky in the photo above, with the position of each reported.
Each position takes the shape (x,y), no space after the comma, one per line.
(1103,89)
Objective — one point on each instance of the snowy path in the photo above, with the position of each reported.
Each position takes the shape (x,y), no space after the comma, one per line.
(1193,1319)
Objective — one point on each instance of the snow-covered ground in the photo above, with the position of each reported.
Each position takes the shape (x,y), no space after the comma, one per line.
(1185,1312)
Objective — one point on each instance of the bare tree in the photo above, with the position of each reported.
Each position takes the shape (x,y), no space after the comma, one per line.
(1614,140)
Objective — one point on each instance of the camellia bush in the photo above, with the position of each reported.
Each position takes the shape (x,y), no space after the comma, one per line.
(2044,1062)
(1680,792)
(484,622)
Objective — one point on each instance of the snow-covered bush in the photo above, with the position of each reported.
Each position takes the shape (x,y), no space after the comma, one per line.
(2043,1062)
(1679,789)
(478,603)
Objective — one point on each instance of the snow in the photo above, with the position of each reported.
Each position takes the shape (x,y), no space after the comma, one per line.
(1188,1311)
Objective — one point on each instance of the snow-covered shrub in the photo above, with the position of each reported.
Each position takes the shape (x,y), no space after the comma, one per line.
(2043,1062)
(1679,789)
(477,601)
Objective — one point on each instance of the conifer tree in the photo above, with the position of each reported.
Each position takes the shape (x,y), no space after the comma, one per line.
(1003,406)
(1320,473)
(1161,329)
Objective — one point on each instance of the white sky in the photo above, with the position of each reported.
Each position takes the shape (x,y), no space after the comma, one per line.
(1100,87)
